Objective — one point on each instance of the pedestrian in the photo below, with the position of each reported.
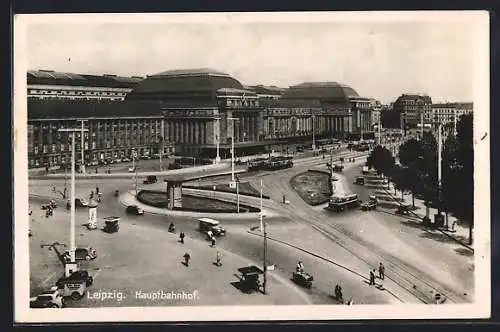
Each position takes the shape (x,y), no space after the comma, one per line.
(381,271)
(213,241)
(372,277)
(96,170)
(187,257)
(218,261)
(97,190)
(182,237)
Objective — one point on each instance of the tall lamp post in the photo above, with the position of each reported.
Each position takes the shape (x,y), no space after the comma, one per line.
(134,167)
(313,117)
(217,140)
(82,130)
(232,184)
(72,266)
(264,230)
(440,146)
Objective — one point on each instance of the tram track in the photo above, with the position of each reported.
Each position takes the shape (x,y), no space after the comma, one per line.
(417,283)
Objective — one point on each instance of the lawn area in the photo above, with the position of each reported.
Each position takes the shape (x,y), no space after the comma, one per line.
(313,187)
(244,189)
(192,203)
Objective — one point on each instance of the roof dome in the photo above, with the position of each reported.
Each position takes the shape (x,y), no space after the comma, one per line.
(204,80)
(320,90)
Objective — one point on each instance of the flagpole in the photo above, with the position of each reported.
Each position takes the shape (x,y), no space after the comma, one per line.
(260,215)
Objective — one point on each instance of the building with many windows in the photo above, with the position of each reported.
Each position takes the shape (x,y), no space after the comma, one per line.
(194,112)
(48,84)
(411,109)
(443,113)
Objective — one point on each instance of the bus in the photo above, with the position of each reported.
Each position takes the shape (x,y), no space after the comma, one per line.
(344,202)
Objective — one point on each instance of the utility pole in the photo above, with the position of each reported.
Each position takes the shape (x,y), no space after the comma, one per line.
(82,164)
(263,227)
(134,167)
(313,117)
(162,138)
(233,182)
(439,167)
(455,122)
(238,195)
(72,265)
(421,125)
(217,140)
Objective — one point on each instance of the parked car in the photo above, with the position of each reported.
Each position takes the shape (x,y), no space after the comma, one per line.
(174,166)
(84,253)
(80,275)
(360,180)
(126,160)
(150,179)
(371,204)
(49,299)
(135,210)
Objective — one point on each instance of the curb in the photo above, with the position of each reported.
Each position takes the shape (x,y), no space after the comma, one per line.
(317,256)
(443,232)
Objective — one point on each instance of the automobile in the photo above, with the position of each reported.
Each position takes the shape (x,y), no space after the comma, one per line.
(146,157)
(371,204)
(360,180)
(112,224)
(302,278)
(365,170)
(135,210)
(83,253)
(150,179)
(81,202)
(338,168)
(299,149)
(403,210)
(77,276)
(212,225)
(49,299)
(174,165)
(126,160)
(132,169)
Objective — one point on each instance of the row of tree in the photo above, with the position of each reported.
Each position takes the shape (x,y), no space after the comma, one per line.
(417,171)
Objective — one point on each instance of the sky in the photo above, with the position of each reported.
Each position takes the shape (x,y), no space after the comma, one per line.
(380,59)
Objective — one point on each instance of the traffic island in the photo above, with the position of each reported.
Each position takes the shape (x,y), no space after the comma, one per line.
(160,199)
(314,187)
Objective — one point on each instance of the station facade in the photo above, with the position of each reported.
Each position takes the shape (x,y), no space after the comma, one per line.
(189,112)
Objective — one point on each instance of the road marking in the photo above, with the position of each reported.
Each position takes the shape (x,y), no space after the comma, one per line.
(48,278)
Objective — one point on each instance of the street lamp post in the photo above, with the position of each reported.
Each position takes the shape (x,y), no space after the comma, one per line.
(82,166)
(313,117)
(134,167)
(72,266)
(238,195)
(440,146)
(264,230)
(217,140)
(233,182)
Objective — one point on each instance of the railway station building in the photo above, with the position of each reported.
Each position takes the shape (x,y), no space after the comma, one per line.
(193,112)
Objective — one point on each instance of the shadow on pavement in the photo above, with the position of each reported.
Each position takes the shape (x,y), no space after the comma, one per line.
(464,252)
(388,205)
(443,237)
(413,224)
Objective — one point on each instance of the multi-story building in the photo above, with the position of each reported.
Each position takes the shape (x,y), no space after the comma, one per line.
(443,113)
(48,84)
(411,109)
(376,111)
(194,112)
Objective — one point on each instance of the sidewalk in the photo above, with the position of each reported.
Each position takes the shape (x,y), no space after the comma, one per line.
(198,171)
(140,261)
(460,233)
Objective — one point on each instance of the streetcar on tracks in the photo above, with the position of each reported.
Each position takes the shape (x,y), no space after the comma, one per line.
(343,202)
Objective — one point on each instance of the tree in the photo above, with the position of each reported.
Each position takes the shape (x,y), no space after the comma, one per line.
(458,173)
(401,179)
(381,160)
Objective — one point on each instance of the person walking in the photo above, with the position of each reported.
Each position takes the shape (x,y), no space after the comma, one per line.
(182,237)
(381,271)
(187,257)
(372,277)
(97,190)
(218,261)
(213,241)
